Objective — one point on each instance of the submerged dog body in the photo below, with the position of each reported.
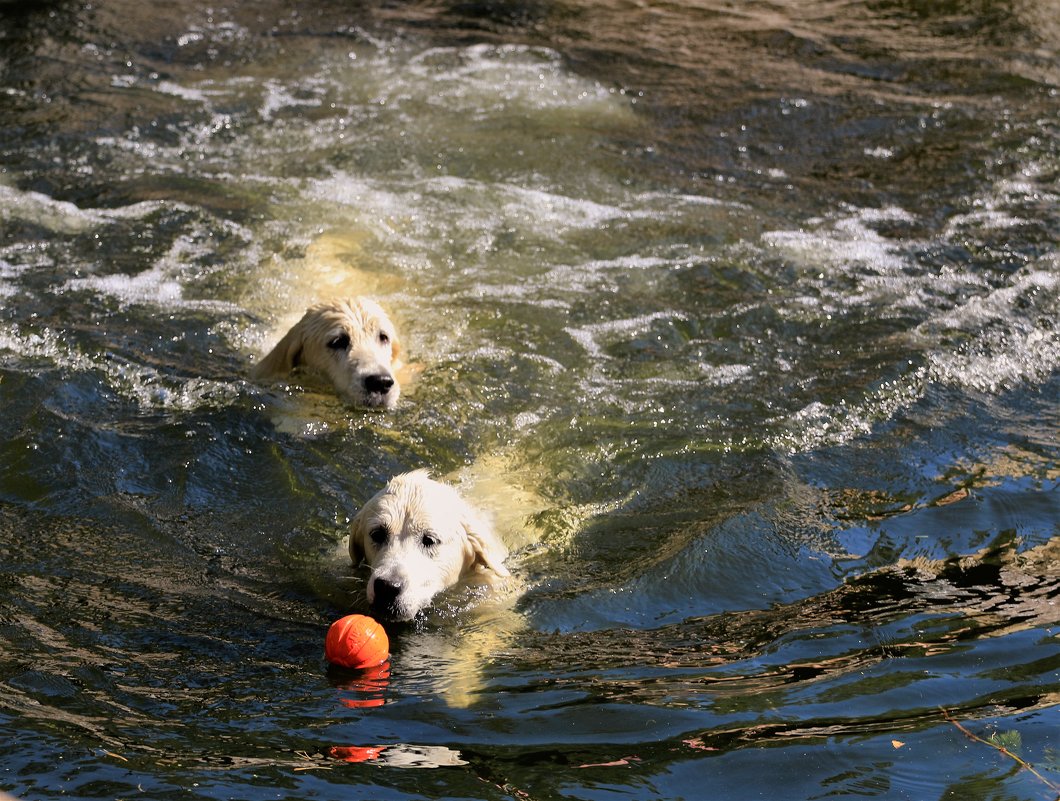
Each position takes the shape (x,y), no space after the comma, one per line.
(351,342)
(420,537)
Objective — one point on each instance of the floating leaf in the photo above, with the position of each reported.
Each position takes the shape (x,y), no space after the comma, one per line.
(616,763)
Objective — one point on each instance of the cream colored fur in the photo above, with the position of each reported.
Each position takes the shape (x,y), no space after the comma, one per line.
(420,537)
(352,343)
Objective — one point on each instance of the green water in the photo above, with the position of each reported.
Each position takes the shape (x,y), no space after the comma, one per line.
(741,320)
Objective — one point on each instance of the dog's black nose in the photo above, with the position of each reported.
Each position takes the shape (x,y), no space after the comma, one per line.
(386,592)
(380,383)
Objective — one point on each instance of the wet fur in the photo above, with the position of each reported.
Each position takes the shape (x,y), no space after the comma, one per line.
(420,537)
(372,353)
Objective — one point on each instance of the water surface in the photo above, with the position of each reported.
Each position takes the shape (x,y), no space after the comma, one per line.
(742,319)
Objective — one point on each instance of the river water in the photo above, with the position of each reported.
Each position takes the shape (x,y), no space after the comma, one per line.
(741,318)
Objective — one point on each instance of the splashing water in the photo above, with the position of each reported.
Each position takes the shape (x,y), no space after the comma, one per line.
(741,323)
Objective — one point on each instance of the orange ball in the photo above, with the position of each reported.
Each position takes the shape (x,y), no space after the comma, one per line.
(356,641)
(356,753)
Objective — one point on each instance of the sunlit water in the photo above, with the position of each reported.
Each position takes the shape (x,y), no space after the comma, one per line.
(741,320)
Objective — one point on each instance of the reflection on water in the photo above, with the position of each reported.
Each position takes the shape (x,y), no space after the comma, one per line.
(741,320)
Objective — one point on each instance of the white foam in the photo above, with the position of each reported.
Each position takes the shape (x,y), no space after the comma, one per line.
(846,264)
(1013,338)
(844,242)
(536,207)
(991,209)
(589,336)
(489,78)
(1029,357)
(725,374)
(987,220)
(59,216)
(819,425)
(150,286)
(278,97)
(9,270)
(137,383)
(1015,333)
(191,94)
(670,199)
(64,217)
(562,285)
(388,207)
(438,97)
(1001,305)
(159,285)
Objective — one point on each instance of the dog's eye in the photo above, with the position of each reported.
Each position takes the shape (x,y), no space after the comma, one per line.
(341,342)
(384,337)
(430,540)
(378,535)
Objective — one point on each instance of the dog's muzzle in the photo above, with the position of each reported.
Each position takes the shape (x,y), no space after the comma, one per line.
(377,388)
(385,598)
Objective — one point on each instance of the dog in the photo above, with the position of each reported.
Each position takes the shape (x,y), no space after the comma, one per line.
(351,342)
(420,537)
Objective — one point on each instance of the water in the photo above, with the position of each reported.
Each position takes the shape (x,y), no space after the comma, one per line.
(742,320)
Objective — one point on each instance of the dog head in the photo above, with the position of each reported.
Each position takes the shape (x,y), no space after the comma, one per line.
(351,342)
(420,537)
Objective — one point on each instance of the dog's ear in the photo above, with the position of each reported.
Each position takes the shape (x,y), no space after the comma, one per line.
(486,547)
(357,552)
(283,358)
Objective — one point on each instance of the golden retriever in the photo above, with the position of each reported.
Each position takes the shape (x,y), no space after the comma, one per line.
(351,342)
(420,537)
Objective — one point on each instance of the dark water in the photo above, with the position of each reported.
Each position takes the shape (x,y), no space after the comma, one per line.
(741,318)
